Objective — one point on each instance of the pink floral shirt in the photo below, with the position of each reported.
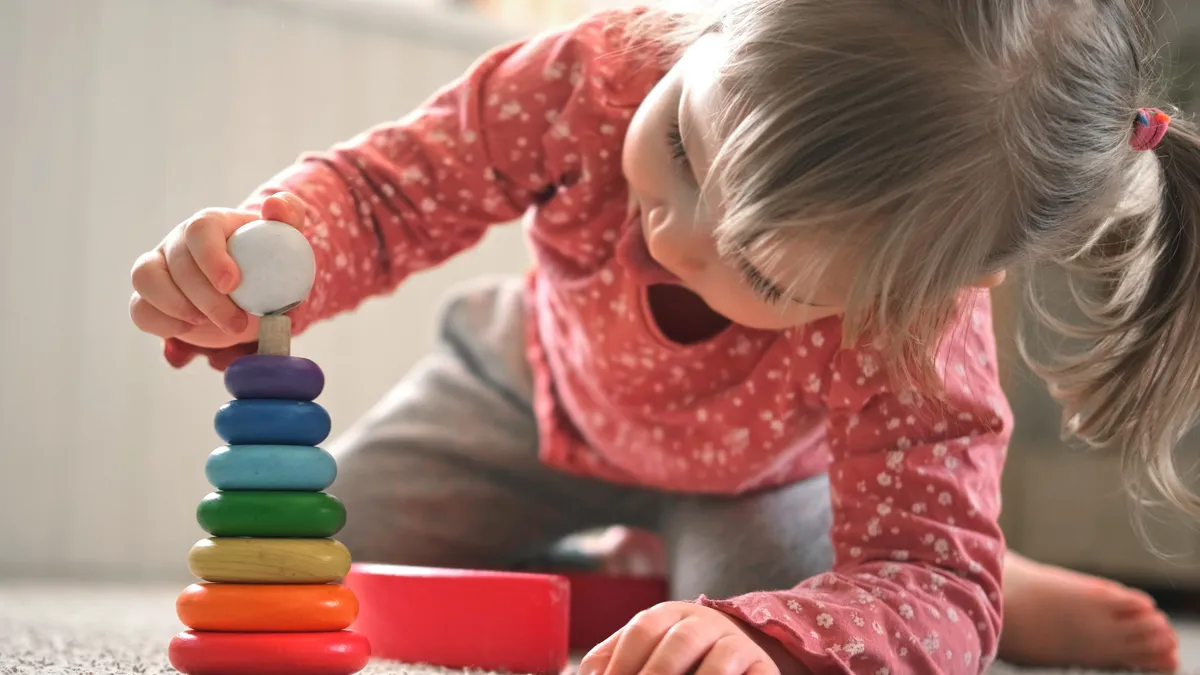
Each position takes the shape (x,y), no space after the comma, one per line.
(534,131)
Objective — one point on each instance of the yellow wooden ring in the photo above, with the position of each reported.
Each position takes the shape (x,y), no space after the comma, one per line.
(249,560)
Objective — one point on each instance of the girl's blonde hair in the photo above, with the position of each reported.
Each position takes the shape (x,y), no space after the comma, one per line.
(939,141)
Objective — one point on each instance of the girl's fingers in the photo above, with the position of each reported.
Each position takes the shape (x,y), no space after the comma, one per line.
(761,667)
(730,655)
(200,291)
(639,639)
(155,289)
(206,237)
(150,319)
(683,646)
(284,207)
(597,659)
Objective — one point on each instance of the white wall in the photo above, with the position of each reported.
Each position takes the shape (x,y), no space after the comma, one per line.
(118,118)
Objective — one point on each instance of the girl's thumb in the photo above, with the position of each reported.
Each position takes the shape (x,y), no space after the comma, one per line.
(284,207)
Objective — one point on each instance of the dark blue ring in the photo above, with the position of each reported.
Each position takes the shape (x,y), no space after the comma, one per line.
(272,422)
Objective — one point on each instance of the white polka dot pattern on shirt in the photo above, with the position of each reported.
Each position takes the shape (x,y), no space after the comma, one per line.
(535,130)
(915,485)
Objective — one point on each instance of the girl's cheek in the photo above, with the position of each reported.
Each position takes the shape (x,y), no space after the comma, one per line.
(647,174)
(645,158)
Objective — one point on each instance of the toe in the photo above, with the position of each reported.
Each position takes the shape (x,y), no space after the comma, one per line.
(1150,663)
(1148,627)
(1163,662)
(1123,599)
(1157,652)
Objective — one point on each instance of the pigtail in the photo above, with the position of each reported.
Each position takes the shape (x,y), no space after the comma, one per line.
(1135,385)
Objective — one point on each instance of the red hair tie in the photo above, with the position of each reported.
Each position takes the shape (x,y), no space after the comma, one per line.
(1149,128)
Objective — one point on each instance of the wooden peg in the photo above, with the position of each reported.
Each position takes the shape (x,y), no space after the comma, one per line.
(275,335)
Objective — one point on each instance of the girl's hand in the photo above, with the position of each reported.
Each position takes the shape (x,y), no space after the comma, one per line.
(181,288)
(677,638)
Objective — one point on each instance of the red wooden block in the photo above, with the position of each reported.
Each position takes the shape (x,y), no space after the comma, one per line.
(332,653)
(502,621)
(601,604)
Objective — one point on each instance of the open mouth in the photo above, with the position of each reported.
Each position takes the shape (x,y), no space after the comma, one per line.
(682,316)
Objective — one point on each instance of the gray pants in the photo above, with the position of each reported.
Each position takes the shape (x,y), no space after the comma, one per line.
(444,471)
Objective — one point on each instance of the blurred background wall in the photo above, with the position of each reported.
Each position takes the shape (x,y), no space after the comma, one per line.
(1068,505)
(119,118)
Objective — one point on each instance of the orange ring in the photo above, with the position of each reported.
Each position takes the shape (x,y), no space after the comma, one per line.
(260,608)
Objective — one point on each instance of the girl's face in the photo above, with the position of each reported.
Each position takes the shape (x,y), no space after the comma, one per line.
(668,150)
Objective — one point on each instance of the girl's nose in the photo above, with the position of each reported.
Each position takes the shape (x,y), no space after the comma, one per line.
(676,245)
(685,256)
(692,264)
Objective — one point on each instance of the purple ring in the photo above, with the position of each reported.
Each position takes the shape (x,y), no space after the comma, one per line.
(289,378)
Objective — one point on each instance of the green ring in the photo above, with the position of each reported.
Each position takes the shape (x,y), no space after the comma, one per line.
(271,513)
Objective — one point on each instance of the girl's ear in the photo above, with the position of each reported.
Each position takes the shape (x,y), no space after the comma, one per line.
(990,281)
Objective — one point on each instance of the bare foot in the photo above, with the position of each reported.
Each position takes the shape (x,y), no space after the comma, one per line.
(1054,617)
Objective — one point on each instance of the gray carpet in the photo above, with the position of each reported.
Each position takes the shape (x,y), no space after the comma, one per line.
(77,629)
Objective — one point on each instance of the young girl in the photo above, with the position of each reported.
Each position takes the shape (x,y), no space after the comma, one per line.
(758,323)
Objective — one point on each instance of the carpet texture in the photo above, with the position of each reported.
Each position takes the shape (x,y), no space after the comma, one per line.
(83,629)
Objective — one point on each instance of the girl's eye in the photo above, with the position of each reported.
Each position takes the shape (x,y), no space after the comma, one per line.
(675,143)
(762,286)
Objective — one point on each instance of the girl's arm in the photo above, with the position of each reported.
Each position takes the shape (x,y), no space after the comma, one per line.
(406,195)
(915,486)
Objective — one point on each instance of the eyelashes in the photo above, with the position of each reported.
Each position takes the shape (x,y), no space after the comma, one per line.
(675,143)
(760,284)
(763,287)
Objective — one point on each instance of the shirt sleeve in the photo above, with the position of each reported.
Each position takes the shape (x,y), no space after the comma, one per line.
(407,195)
(915,489)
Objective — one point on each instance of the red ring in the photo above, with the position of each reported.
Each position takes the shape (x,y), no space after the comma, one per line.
(463,619)
(332,653)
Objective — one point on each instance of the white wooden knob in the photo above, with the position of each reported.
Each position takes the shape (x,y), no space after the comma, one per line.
(277,265)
